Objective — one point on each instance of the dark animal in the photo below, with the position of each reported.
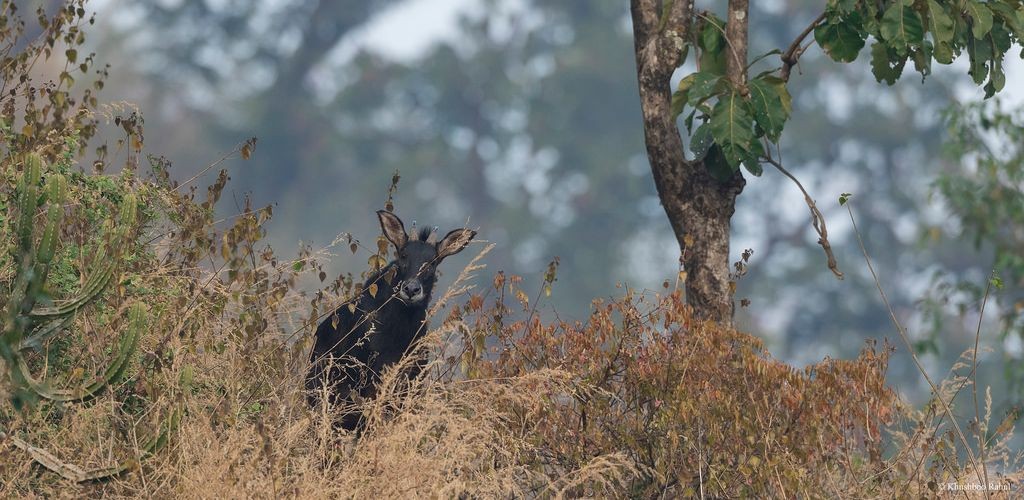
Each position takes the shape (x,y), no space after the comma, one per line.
(353,347)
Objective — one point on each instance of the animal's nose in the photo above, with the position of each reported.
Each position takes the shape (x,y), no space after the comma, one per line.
(412,288)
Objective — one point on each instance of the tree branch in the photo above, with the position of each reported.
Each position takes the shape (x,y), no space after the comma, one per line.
(659,41)
(736,28)
(678,16)
(698,206)
(795,50)
(644,18)
(817,219)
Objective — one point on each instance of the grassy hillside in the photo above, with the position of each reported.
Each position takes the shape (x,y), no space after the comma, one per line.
(151,349)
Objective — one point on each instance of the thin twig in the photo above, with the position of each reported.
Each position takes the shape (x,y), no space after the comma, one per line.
(222,159)
(817,218)
(972,377)
(795,50)
(910,349)
(974,384)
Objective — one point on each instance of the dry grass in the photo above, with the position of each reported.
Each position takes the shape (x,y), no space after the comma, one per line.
(506,431)
(247,431)
(679,402)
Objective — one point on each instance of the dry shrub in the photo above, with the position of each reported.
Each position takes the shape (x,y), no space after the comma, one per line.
(455,439)
(700,407)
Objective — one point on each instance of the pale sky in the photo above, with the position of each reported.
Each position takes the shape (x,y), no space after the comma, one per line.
(406,31)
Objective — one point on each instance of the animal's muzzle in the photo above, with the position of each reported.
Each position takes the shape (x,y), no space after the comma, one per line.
(411,291)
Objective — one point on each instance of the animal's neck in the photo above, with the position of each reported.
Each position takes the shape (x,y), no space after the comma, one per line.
(403,321)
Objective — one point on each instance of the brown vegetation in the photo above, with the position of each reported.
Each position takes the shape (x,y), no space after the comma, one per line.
(639,400)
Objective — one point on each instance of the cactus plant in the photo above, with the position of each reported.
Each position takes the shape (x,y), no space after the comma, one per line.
(28,321)
(26,324)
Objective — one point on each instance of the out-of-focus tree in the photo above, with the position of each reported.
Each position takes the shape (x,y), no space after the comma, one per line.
(499,127)
(249,64)
(985,191)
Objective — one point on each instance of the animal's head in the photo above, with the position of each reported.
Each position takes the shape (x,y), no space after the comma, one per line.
(419,256)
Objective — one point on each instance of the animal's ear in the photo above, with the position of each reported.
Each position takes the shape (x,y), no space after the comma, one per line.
(393,228)
(454,242)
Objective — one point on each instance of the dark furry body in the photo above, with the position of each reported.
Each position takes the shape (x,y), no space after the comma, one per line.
(353,348)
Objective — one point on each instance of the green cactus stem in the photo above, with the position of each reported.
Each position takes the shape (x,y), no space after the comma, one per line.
(27,325)
(43,333)
(100,278)
(127,344)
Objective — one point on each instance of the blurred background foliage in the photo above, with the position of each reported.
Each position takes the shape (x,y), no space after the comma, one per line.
(522,117)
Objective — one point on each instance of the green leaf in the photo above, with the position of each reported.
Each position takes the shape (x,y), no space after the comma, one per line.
(67,79)
(981,18)
(769,109)
(782,91)
(869,12)
(996,282)
(1000,38)
(923,59)
(886,65)
(839,40)
(753,167)
(680,96)
(843,198)
(943,53)
(1013,19)
(843,6)
(713,46)
(704,86)
(752,161)
(961,29)
(996,80)
(901,27)
(689,121)
(678,102)
(712,36)
(687,82)
(731,126)
(718,166)
(701,141)
(186,378)
(980,53)
(939,23)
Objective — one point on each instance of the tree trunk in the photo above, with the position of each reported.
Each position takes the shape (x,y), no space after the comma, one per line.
(698,206)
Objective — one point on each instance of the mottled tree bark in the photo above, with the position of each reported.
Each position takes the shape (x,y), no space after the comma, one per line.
(698,206)
(736,45)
